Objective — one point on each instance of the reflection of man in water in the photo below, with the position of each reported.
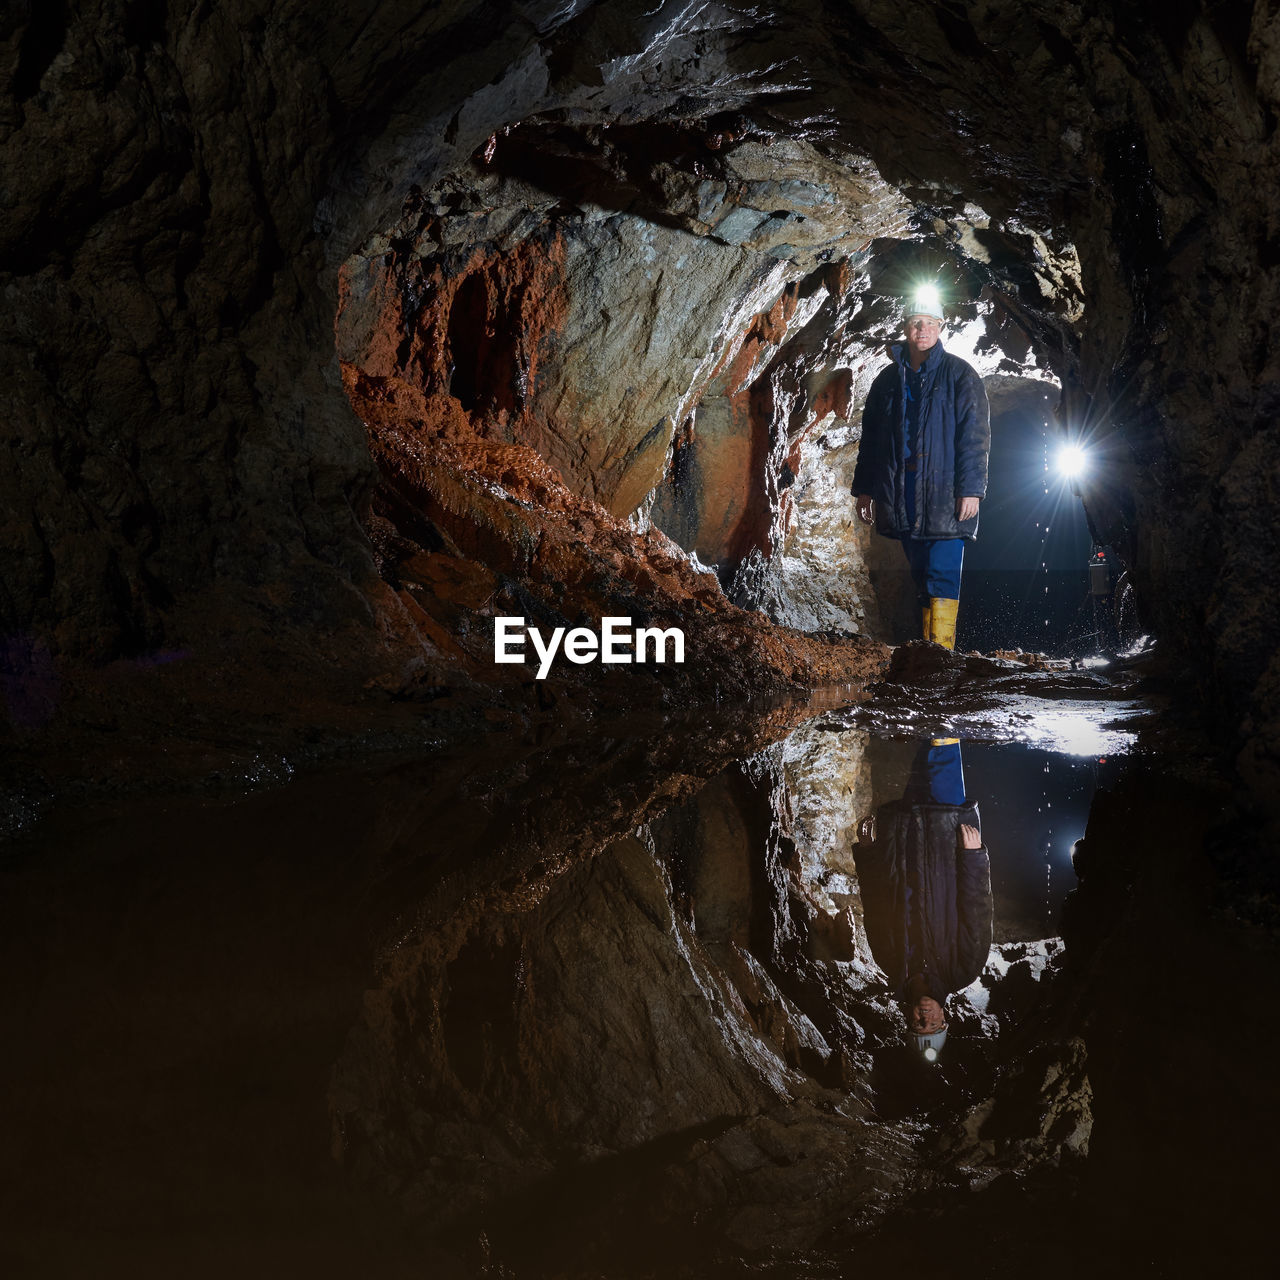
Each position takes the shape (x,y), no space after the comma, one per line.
(925,879)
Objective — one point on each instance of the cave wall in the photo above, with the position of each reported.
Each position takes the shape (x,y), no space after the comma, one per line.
(489,316)
(554,319)
(181,461)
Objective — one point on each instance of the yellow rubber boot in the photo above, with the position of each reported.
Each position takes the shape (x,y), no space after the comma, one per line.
(927,620)
(942,622)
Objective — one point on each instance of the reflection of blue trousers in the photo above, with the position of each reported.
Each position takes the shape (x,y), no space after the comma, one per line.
(937,776)
(935,567)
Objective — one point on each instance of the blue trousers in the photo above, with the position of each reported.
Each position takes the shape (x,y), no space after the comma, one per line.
(935,562)
(935,567)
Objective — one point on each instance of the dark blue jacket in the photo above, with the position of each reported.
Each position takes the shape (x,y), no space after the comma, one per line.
(926,903)
(955,438)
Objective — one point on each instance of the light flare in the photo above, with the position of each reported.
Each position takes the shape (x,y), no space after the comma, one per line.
(1072,461)
(926,301)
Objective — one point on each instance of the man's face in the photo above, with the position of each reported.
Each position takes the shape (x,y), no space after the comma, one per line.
(926,1016)
(922,333)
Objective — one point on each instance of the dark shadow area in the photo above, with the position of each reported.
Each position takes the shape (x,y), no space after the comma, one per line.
(1026,582)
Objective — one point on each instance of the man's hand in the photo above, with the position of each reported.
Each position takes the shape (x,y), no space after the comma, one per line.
(867,509)
(970,837)
(966,508)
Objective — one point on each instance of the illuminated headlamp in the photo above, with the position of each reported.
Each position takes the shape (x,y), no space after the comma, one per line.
(929,1046)
(926,301)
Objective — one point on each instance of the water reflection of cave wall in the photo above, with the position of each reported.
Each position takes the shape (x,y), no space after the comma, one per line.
(698,997)
(696,969)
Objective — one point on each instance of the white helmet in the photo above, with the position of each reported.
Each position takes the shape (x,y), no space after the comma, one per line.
(926,301)
(929,1046)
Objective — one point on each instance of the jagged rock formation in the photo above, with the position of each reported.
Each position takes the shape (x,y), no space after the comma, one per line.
(490,310)
(182,463)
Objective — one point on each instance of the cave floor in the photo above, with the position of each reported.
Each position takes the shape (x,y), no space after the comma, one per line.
(607,1005)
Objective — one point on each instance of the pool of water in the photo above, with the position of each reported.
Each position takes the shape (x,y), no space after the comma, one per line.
(625,1005)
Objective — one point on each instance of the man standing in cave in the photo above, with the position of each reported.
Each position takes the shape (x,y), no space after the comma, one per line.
(922,461)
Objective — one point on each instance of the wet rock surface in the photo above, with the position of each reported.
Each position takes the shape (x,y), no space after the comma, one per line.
(1015,696)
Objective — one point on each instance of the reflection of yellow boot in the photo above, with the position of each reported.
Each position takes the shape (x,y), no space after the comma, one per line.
(927,620)
(942,622)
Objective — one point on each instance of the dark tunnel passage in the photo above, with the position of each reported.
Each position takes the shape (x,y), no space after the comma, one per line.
(346,352)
